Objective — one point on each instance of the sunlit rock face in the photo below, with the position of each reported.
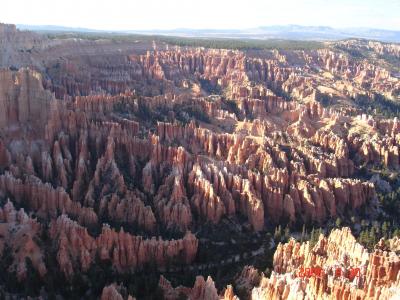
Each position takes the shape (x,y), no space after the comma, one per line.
(376,278)
(346,270)
(113,292)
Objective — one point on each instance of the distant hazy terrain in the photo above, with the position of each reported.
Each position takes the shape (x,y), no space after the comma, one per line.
(292,32)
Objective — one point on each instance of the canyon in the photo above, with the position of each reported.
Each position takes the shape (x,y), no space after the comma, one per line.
(119,155)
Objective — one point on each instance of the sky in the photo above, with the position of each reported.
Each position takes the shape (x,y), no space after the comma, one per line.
(202,14)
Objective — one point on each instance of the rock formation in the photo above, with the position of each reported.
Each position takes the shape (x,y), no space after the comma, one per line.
(19,235)
(202,290)
(375,276)
(76,247)
(118,152)
(112,292)
(23,99)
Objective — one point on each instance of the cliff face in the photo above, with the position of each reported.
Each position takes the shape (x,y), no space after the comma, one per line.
(17,47)
(76,247)
(23,100)
(376,278)
(44,200)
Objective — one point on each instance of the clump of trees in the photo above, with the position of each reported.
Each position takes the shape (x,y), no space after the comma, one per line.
(185,113)
(378,105)
(371,234)
(215,43)
(281,235)
(314,236)
(123,107)
(390,202)
(231,106)
(354,53)
(209,87)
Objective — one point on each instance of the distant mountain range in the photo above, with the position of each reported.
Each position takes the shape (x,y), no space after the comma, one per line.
(290,32)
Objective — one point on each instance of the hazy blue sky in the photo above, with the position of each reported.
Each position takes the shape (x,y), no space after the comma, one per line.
(169,14)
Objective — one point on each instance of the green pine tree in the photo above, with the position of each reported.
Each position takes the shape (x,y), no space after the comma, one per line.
(372,238)
(278,233)
(385,230)
(303,233)
(313,237)
(287,233)
(363,239)
(363,223)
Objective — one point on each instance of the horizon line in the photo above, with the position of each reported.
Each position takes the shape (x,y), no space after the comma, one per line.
(18,25)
